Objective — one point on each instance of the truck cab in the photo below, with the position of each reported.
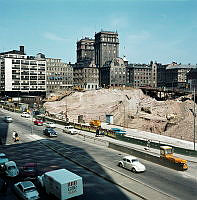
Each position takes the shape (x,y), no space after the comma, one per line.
(166,153)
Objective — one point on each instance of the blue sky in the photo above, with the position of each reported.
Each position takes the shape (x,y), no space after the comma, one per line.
(158,30)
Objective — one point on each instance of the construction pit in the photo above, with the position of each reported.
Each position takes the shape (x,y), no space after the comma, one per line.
(130,108)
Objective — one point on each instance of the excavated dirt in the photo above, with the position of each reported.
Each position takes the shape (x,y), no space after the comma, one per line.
(130,108)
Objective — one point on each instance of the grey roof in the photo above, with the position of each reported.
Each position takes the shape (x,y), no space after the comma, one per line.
(181,66)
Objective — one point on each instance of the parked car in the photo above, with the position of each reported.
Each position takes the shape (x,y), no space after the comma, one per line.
(38,122)
(26,190)
(70,130)
(8,119)
(50,132)
(3,159)
(26,114)
(50,125)
(132,163)
(29,171)
(11,169)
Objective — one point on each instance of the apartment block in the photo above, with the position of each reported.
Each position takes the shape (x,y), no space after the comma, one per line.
(22,73)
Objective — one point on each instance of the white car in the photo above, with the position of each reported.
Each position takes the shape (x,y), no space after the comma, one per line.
(8,119)
(70,130)
(25,114)
(50,125)
(132,163)
(26,190)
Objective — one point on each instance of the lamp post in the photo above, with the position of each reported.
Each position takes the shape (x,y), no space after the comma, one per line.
(194,114)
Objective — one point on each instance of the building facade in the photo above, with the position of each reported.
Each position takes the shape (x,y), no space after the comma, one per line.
(86,76)
(59,75)
(20,73)
(85,50)
(176,75)
(139,75)
(113,73)
(106,47)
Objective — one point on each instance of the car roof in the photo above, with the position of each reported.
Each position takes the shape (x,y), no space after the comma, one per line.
(10,163)
(130,157)
(27,184)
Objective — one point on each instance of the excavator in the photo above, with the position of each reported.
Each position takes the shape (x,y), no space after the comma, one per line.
(166,153)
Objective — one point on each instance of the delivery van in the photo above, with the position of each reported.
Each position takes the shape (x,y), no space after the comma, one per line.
(61,183)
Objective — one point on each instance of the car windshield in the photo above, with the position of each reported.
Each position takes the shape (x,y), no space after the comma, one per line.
(51,131)
(11,167)
(2,157)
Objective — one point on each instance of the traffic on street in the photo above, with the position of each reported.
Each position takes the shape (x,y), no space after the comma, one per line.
(32,148)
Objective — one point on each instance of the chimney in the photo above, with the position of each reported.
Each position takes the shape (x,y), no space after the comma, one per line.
(22,49)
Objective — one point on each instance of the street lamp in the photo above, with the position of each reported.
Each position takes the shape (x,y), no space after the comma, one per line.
(194,114)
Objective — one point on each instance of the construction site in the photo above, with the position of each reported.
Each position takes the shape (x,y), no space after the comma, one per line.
(130,107)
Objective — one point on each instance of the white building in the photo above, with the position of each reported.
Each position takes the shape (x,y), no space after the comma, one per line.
(22,73)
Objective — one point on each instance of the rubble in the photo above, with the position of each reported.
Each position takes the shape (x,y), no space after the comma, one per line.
(130,108)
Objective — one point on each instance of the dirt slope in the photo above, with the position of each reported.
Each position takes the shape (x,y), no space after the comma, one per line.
(130,108)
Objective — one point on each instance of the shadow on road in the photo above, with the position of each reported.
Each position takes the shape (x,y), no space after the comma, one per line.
(62,156)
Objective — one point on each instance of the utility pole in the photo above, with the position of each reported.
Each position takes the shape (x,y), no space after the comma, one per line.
(194,120)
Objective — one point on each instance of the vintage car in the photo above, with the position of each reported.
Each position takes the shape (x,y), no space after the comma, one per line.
(38,122)
(50,132)
(70,130)
(29,171)
(3,159)
(50,125)
(26,190)
(8,119)
(132,163)
(26,114)
(10,169)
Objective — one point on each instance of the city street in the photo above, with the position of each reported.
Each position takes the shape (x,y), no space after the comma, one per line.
(181,185)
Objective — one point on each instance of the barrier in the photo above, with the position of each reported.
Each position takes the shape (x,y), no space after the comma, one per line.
(145,155)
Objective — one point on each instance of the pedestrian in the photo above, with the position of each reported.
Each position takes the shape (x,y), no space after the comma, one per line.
(16,137)
(97,132)
(13,135)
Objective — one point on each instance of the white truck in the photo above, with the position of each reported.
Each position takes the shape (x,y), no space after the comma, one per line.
(61,183)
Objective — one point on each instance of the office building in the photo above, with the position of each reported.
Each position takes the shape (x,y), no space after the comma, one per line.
(59,75)
(20,73)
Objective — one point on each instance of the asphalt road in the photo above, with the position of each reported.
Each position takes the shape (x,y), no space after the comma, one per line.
(26,151)
(181,185)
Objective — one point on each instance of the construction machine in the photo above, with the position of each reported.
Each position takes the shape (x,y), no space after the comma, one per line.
(166,153)
(96,123)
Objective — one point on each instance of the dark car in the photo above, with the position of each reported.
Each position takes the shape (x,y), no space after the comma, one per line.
(50,132)
(29,171)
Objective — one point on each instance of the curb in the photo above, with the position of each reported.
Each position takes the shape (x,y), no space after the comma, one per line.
(104,166)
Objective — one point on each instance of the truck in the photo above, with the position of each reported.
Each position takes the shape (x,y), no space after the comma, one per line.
(61,183)
(166,153)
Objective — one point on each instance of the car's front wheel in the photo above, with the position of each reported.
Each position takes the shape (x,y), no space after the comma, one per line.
(133,170)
